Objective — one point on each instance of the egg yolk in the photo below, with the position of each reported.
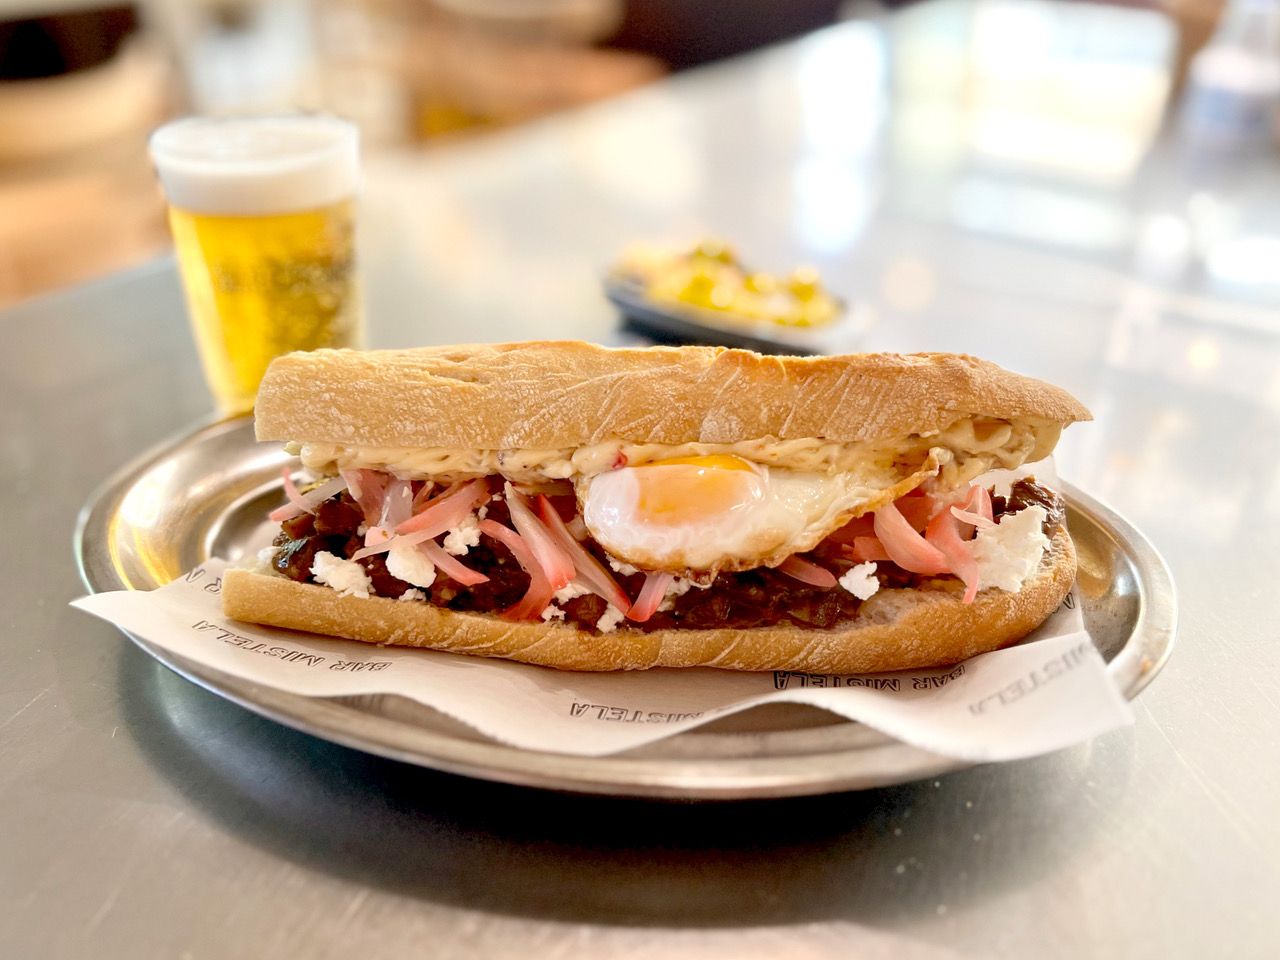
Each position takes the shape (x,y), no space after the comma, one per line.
(687,489)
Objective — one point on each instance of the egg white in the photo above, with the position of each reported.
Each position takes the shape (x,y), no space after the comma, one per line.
(783,512)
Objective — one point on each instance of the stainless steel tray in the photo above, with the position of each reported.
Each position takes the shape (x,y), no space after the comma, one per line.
(206,493)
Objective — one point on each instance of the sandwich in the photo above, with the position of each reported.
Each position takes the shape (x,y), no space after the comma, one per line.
(586,508)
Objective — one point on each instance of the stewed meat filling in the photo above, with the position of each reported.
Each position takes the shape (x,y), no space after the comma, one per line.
(744,599)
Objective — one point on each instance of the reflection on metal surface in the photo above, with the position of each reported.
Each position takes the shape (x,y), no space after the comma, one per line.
(1079,89)
(1163,249)
(1025,212)
(651,155)
(179,495)
(834,201)
(1072,89)
(909,284)
(142,506)
(1033,140)
(485,848)
(1130,611)
(1204,354)
(1159,348)
(1248,260)
(840,79)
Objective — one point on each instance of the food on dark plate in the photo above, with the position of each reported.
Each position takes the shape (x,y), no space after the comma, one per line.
(710,277)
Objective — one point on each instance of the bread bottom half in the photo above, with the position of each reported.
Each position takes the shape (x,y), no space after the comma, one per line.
(894,630)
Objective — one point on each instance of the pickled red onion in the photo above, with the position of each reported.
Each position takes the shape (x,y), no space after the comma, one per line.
(445,513)
(979,501)
(587,568)
(373,544)
(651,594)
(457,501)
(857,527)
(916,510)
(539,594)
(807,572)
(423,496)
(367,489)
(397,504)
(944,534)
(450,566)
(867,548)
(971,518)
(976,509)
(353,482)
(304,503)
(905,547)
(556,563)
(291,490)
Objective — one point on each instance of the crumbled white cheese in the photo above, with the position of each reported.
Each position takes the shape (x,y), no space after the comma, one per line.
(484,510)
(345,576)
(552,613)
(463,537)
(407,563)
(570,590)
(266,561)
(610,619)
(678,588)
(619,566)
(412,594)
(861,580)
(1010,551)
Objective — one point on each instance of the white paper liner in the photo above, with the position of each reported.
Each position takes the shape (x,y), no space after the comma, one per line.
(1049,692)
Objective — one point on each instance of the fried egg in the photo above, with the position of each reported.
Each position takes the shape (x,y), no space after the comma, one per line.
(724,512)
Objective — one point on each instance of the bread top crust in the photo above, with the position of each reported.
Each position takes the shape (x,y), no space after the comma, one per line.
(558,394)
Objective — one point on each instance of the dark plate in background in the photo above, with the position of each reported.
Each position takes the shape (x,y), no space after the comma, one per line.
(669,324)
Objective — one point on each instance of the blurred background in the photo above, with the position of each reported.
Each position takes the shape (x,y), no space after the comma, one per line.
(1031,121)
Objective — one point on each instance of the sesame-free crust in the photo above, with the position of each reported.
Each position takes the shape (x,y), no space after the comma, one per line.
(562,394)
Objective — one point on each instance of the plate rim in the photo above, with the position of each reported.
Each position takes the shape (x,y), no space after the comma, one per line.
(1145,652)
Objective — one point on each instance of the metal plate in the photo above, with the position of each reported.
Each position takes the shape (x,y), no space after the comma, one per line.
(206,493)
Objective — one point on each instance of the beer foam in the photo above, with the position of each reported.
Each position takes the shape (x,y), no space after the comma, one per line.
(247,166)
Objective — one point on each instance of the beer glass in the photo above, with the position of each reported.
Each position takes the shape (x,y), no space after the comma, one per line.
(262,211)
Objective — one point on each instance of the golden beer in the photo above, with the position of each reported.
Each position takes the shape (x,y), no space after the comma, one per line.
(263,219)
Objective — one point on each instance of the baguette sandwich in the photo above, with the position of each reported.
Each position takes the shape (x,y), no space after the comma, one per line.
(587,508)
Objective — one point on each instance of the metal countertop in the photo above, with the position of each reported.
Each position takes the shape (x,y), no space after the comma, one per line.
(143,817)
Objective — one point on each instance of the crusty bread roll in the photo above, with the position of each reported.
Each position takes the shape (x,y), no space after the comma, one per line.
(567,394)
(895,629)
(562,396)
